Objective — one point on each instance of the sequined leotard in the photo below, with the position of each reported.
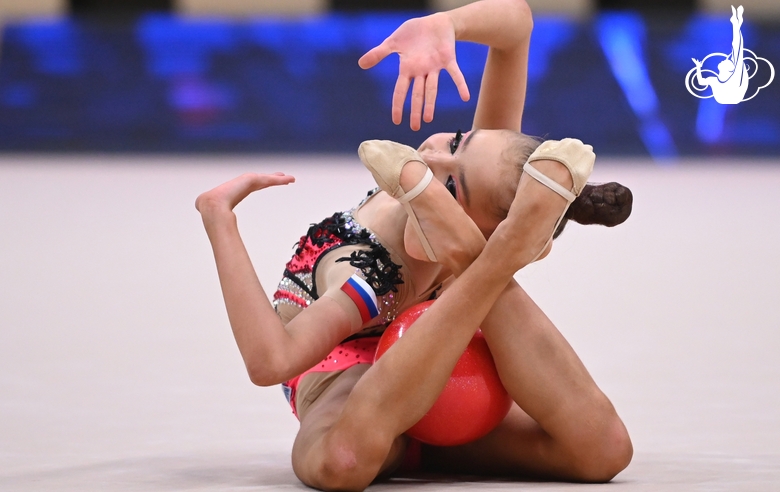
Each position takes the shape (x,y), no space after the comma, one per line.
(298,287)
(372,260)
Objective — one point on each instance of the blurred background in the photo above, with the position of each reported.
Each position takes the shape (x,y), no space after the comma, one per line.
(282,76)
(117,367)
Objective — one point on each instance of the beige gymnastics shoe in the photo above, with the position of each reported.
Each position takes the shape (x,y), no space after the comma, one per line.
(385,160)
(578,159)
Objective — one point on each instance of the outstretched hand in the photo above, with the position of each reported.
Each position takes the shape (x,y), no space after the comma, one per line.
(425,46)
(227,195)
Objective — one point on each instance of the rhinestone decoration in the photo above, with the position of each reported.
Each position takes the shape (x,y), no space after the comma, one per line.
(288,292)
(389,305)
(287,286)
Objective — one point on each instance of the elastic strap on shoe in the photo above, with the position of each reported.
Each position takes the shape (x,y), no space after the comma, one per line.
(409,195)
(537,175)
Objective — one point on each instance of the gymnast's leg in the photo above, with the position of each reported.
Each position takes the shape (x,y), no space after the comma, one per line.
(563,426)
(567,428)
(318,419)
(392,396)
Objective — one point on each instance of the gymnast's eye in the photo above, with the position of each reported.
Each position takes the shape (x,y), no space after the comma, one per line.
(455,142)
(450,184)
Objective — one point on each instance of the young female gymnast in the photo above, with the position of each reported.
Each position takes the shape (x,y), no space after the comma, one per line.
(318,340)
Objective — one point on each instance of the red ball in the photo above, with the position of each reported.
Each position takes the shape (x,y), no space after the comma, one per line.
(472,403)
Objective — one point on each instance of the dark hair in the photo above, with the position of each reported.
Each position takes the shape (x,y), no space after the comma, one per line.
(607,204)
(515,155)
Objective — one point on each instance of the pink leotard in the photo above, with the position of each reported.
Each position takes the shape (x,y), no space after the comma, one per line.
(373,261)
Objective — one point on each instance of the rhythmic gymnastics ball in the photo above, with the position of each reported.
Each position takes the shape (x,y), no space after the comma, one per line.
(472,403)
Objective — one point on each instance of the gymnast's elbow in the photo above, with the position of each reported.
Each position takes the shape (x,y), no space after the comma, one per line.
(266,373)
(526,18)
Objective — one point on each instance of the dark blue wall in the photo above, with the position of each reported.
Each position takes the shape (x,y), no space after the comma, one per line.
(166,84)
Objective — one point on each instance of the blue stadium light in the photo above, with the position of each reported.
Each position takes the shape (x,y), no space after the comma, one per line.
(709,121)
(621,36)
(551,34)
(55,45)
(177,46)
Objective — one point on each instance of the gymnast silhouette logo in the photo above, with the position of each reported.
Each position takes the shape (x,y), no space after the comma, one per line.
(730,84)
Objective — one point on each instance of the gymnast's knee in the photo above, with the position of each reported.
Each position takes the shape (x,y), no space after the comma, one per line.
(343,467)
(609,454)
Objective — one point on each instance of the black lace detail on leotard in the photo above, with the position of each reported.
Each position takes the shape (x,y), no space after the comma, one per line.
(324,232)
(380,270)
(340,230)
(381,273)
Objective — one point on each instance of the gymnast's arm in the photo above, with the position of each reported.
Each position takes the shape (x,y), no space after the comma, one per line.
(272,352)
(505,26)
(426,45)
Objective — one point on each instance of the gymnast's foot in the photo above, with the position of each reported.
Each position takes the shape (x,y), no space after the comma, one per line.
(607,204)
(454,237)
(558,175)
(533,215)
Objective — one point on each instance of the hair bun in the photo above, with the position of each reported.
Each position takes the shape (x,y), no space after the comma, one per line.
(602,204)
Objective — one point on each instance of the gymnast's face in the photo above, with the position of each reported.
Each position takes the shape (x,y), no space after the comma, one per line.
(473,170)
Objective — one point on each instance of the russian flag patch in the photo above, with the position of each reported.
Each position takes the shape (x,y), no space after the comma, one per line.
(363,296)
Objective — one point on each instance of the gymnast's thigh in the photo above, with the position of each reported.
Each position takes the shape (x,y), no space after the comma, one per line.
(314,389)
(318,416)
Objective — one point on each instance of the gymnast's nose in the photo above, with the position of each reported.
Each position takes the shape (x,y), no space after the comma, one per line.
(440,163)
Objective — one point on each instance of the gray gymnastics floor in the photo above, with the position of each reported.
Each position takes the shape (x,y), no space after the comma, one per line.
(118,371)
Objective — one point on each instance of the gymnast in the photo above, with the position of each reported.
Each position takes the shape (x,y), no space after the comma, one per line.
(454,220)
